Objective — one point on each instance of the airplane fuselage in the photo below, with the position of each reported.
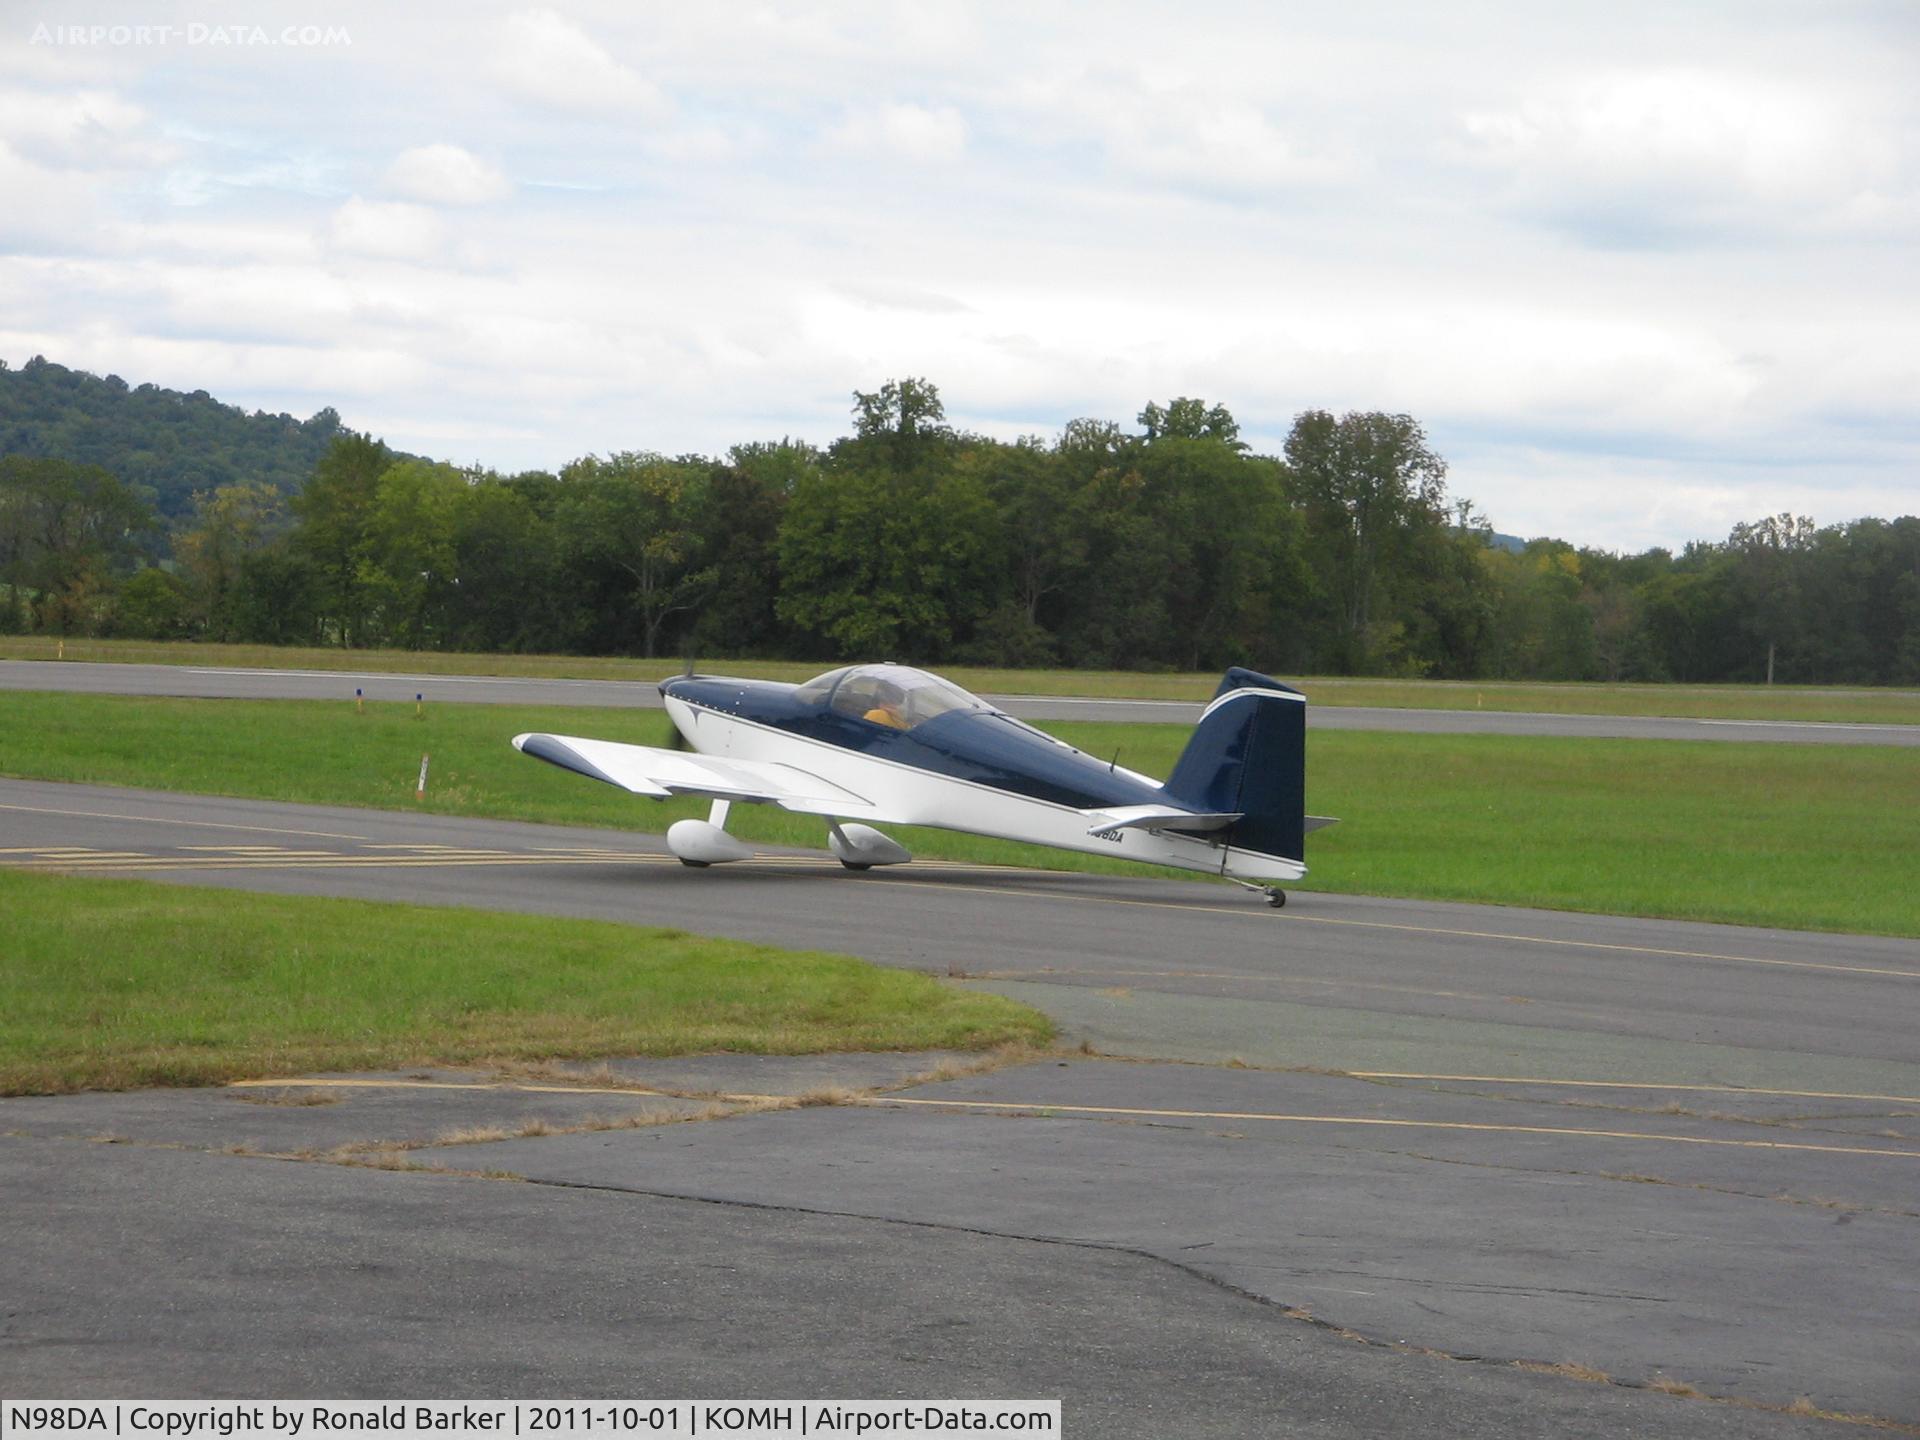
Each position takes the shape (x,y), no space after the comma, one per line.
(978,771)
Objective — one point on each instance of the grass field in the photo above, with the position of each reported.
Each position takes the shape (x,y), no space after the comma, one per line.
(1812,837)
(109,984)
(1708,702)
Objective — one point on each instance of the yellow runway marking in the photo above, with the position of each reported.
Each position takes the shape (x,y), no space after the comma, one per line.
(436,852)
(190,824)
(1374,1120)
(1270,978)
(1250,913)
(1637,1085)
(91,856)
(304,860)
(331,1083)
(889,1101)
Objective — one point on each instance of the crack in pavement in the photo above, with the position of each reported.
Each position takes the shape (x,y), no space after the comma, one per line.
(1297,1313)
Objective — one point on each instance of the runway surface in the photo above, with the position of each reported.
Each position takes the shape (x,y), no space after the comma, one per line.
(1457,1137)
(219,683)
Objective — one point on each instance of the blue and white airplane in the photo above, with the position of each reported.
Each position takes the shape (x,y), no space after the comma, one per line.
(889,744)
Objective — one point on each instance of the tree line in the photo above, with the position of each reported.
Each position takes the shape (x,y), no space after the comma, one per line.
(1167,546)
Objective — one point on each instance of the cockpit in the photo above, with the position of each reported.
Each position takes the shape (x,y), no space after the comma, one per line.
(897,696)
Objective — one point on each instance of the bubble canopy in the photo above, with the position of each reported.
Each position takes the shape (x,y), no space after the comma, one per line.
(898,696)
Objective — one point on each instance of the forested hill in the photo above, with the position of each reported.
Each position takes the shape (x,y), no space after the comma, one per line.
(164,443)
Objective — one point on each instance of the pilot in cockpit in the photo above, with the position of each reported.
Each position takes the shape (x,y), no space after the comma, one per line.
(889,706)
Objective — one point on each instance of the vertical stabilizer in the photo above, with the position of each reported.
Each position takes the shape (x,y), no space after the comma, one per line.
(1248,755)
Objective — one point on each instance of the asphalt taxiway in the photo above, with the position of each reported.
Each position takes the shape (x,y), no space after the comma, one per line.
(1456,1137)
(209,682)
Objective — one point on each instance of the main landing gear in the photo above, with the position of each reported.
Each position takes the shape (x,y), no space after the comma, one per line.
(861,847)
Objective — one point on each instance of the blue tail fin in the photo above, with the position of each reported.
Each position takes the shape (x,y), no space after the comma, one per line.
(1248,756)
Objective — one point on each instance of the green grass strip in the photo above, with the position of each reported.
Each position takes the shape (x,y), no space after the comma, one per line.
(1804,837)
(111,984)
(1812,837)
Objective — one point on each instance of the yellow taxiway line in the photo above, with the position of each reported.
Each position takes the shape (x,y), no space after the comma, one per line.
(131,861)
(1129,1112)
(1291,916)
(1637,1085)
(528,1087)
(190,824)
(1374,1120)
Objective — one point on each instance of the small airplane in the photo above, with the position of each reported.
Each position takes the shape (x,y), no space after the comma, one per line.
(895,745)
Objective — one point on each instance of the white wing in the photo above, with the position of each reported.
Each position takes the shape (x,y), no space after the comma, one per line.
(645,770)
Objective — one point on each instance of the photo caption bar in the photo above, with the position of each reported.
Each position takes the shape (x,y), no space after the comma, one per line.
(562,1419)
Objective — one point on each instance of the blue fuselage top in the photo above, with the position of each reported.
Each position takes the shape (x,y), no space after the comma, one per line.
(894,713)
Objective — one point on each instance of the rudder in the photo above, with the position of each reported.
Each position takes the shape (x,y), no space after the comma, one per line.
(1248,755)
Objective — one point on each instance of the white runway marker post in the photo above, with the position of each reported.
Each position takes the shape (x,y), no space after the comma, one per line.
(420,790)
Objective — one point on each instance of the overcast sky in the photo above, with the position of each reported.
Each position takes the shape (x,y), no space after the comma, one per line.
(1641,270)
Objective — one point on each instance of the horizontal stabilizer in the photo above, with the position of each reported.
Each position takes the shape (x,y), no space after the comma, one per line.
(647,770)
(1320,822)
(1155,818)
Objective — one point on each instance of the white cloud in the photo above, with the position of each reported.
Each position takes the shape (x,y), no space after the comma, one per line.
(705,145)
(921,133)
(391,230)
(84,129)
(544,56)
(1186,130)
(44,207)
(1677,148)
(884,296)
(445,175)
(1232,144)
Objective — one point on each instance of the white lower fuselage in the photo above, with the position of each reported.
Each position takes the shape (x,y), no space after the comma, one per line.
(901,794)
